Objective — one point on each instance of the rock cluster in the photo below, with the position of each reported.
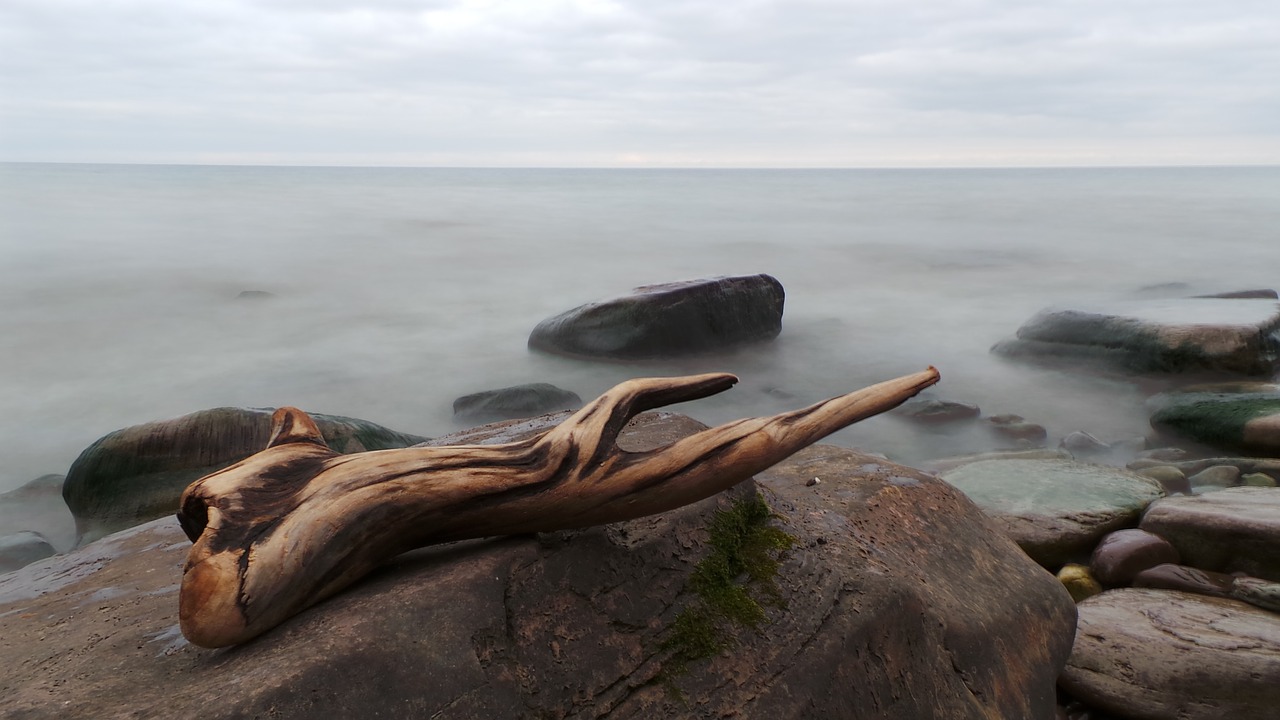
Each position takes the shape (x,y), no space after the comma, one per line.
(892,598)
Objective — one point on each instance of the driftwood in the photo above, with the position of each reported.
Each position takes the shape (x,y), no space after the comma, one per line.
(296,523)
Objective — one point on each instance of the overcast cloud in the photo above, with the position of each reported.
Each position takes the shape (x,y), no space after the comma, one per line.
(844,83)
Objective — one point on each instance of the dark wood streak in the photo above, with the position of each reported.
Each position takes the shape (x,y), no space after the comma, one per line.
(296,523)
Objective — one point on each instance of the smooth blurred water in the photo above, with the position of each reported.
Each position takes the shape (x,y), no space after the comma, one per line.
(398,290)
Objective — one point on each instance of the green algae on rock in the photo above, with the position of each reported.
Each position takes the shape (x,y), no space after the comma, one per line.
(1236,416)
(1056,510)
(741,566)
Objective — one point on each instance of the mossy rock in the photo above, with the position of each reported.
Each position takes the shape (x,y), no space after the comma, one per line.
(1240,418)
(138,473)
(1056,510)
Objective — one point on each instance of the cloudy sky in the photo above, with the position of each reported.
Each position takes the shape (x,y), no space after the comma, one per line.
(768,83)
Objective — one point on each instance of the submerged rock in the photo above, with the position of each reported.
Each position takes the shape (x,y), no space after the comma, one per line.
(895,599)
(38,507)
(933,410)
(137,473)
(517,401)
(1167,655)
(1182,335)
(1056,510)
(1233,530)
(22,549)
(1232,416)
(672,319)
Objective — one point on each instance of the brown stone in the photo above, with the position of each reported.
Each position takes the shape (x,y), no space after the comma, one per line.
(1231,530)
(1166,655)
(1123,554)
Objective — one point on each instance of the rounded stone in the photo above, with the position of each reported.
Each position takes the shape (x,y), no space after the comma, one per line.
(1172,479)
(23,548)
(1167,655)
(517,401)
(1257,480)
(1217,476)
(1078,581)
(1056,510)
(1124,553)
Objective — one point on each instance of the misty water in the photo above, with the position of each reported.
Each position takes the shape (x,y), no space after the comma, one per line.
(397,290)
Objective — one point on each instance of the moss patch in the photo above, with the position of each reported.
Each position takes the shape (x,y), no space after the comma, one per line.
(1216,419)
(729,584)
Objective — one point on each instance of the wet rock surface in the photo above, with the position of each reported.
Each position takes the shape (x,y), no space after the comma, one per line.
(137,474)
(1232,530)
(1168,655)
(38,507)
(1174,335)
(1123,554)
(1056,510)
(671,319)
(1243,417)
(896,600)
(517,401)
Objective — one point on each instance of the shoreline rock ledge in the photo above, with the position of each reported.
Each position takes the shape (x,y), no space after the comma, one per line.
(893,598)
(1179,335)
(671,319)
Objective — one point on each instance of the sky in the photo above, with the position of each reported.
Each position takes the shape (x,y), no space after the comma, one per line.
(645,83)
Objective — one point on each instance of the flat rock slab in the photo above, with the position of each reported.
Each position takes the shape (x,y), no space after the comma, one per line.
(1231,530)
(1179,335)
(1243,417)
(897,600)
(1056,510)
(667,320)
(1167,655)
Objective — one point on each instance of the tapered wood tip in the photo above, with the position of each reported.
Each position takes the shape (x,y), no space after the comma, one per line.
(291,425)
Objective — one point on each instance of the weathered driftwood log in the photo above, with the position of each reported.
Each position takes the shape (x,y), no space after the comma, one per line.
(296,523)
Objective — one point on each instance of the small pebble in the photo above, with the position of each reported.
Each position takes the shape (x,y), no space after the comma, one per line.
(815,481)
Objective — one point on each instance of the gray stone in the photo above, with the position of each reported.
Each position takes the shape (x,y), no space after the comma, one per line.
(1056,510)
(895,600)
(1179,335)
(1015,427)
(1255,591)
(38,507)
(1232,416)
(1218,476)
(933,410)
(1232,530)
(137,473)
(672,319)
(1172,479)
(1166,655)
(517,401)
(21,549)
(1083,443)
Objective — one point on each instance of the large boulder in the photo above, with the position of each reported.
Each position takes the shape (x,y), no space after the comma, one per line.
(137,474)
(517,401)
(1233,530)
(671,319)
(38,507)
(1166,655)
(1244,417)
(1182,335)
(1056,510)
(879,593)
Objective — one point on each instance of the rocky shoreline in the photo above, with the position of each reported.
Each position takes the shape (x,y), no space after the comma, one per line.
(1167,543)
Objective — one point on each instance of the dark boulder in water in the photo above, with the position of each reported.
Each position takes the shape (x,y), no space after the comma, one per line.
(1183,335)
(23,548)
(137,473)
(1241,417)
(517,401)
(671,319)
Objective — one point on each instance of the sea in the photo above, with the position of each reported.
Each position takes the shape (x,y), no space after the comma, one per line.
(393,291)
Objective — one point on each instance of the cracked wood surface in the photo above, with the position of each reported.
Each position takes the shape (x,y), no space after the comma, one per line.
(296,523)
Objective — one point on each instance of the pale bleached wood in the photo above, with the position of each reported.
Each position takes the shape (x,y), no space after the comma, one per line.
(296,523)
